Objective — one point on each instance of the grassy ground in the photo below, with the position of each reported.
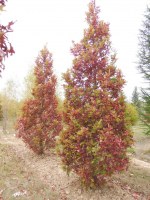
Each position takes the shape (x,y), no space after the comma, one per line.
(25,176)
(138,130)
(19,182)
(136,179)
(142,143)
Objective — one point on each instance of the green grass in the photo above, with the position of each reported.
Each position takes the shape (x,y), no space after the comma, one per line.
(131,150)
(141,142)
(16,177)
(139,130)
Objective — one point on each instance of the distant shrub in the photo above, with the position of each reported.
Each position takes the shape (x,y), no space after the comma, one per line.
(131,114)
(60,104)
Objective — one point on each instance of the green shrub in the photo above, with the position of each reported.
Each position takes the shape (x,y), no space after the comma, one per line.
(131,114)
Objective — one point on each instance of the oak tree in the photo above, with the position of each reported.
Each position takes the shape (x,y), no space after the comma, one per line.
(40,122)
(95,138)
(6,48)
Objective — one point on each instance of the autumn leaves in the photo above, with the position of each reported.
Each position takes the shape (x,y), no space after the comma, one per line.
(93,137)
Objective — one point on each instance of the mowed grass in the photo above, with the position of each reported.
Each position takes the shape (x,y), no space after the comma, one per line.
(19,182)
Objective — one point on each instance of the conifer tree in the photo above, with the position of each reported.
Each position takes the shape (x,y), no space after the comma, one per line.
(95,139)
(144,67)
(135,98)
(40,122)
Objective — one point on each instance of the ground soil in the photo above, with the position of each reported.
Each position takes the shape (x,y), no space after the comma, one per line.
(130,185)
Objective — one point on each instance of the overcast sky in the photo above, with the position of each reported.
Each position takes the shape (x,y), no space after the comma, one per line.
(58,22)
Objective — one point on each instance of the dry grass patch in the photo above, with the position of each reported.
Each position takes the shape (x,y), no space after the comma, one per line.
(19,182)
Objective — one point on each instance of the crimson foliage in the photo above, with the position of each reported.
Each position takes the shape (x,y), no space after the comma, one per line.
(95,139)
(6,48)
(40,122)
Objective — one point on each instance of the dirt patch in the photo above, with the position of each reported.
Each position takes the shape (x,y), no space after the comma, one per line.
(141,163)
(128,185)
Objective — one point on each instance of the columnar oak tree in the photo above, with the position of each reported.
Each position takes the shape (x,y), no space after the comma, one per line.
(5,46)
(95,139)
(40,122)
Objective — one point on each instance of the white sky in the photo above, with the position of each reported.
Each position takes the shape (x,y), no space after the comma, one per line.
(58,22)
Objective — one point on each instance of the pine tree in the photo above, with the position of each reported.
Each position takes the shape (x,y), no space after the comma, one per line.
(40,122)
(135,98)
(95,139)
(144,67)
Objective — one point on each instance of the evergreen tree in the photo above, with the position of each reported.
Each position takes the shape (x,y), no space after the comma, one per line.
(95,139)
(135,98)
(40,122)
(144,67)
